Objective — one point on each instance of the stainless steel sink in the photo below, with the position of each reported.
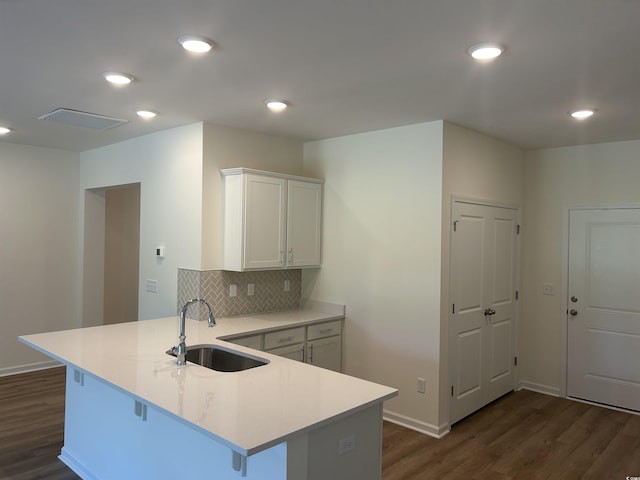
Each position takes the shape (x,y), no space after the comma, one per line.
(221,359)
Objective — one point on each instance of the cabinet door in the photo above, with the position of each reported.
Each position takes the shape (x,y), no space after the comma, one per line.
(304,223)
(325,353)
(264,229)
(292,352)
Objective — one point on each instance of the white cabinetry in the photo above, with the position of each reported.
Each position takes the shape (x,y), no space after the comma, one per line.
(324,345)
(292,352)
(287,343)
(252,341)
(318,344)
(271,221)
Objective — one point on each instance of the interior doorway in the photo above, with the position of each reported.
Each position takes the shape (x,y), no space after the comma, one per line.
(111,255)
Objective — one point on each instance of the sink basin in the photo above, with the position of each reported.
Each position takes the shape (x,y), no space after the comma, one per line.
(221,359)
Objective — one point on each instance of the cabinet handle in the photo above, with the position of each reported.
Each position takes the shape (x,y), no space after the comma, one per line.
(326,330)
(285,339)
(311,353)
(291,256)
(281,257)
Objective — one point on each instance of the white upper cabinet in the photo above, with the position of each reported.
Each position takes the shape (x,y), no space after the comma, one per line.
(304,223)
(271,221)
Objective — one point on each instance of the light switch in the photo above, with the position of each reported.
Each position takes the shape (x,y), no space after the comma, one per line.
(233,290)
(151,285)
(250,289)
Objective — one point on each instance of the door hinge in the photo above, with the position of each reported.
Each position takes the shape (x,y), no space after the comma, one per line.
(455,225)
(452,390)
(518,229)
(453,308)
(515,361)
(517,294)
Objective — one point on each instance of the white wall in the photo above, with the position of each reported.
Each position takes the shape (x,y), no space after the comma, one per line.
(477,167)
(556,179)
(226,147)
(381,257)
(39,268)
(168,166)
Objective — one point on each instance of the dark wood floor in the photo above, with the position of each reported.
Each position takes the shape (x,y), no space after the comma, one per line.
(31,426)
(524,435)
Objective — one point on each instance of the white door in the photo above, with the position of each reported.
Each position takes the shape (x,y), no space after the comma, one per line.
(603,332)
(483,292)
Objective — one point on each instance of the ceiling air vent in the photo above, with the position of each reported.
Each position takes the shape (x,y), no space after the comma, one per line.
(82,119)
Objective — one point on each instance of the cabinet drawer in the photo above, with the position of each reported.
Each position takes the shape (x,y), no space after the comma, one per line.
(283,337)
(254,341)
(326,329)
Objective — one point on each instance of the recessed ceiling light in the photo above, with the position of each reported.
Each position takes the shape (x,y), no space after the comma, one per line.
(582,113)
(144,113)
(118,78)
(4,130)
(276,105)
(195,44)
(485,51)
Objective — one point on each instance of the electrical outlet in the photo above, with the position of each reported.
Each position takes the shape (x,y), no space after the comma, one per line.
(347,444)
(287,285)
(250,289)
(421,385)
(233,290)
(548,289)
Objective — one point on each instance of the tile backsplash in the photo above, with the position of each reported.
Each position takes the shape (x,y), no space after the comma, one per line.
(213,286)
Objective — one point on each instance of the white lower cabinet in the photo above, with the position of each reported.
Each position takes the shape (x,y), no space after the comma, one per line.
(318,344)
(252,341)
(293,352)
(325,353)
(283,338)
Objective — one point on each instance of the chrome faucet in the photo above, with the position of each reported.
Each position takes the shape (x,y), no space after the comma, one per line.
(180,350)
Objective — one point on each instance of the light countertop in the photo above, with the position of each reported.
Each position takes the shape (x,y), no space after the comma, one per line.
(249,411)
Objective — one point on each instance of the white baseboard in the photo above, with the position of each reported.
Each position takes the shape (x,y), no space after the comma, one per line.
(417,425)
(536,387)
(77,467)
(30,367)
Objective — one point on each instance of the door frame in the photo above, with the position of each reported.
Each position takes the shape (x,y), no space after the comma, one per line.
(496,204)
(564,305)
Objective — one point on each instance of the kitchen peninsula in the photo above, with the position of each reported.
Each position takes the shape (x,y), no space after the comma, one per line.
(132,412)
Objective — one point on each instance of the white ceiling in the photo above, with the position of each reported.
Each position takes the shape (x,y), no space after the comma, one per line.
(346,66)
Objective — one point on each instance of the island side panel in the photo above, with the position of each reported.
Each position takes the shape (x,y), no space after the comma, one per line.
(347,449)
(109,434)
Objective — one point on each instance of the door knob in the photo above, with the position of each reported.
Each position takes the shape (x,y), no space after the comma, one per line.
(574,299)
(489,311)
(573,312)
